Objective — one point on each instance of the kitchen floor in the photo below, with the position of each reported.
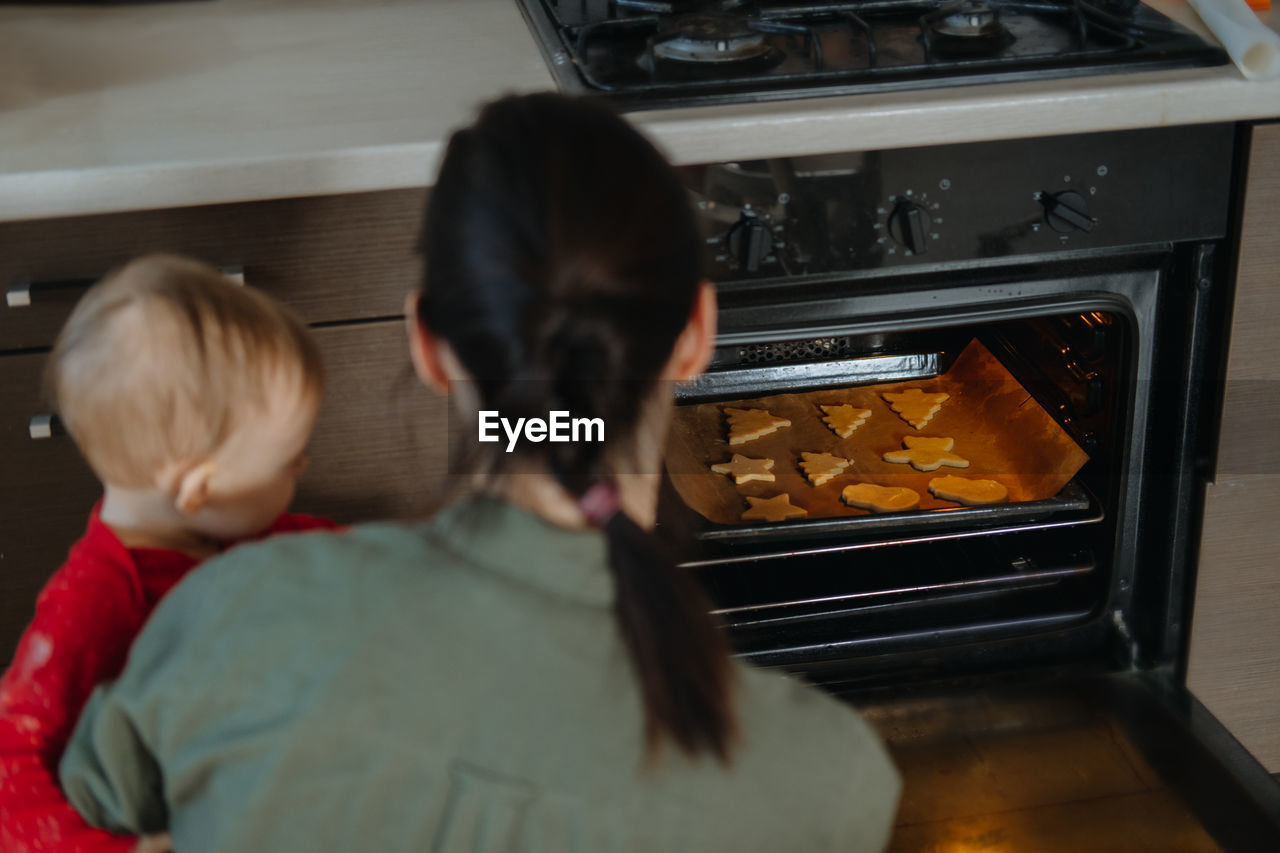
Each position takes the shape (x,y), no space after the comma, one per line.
(1021,771)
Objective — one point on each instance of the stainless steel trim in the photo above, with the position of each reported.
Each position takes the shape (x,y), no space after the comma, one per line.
(758,381)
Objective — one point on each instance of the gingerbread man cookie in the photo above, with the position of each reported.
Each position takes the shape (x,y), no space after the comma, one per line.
(927,453)
(749,424)
(743,469)
(915,406)
(843,420)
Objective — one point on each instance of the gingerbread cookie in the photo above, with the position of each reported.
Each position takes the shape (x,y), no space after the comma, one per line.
(880,498)
(926,453)
(749,424)
(843,420)
(962,490)
(776,508)
(822,467)
(744,470)
(915,406)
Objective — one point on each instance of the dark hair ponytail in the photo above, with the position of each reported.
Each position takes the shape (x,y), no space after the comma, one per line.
(561,260)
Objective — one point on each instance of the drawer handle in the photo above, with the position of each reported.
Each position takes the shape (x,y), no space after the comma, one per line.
(44,426)
(23,293)
(20,294)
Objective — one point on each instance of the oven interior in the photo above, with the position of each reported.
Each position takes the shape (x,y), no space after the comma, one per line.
(812,596)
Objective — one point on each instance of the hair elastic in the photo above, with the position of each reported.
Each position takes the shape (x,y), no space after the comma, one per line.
(599,503)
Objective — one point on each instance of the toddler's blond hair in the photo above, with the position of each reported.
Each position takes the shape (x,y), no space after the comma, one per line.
(160,360)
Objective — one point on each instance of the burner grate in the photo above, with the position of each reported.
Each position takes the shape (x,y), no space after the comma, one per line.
(651,53)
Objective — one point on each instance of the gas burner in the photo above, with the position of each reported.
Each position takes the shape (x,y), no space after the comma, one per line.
(667,53)
(712,39)
(969,26)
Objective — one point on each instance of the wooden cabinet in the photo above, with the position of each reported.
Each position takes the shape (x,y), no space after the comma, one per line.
(345,263)
(1234,660)
(333,258)
(46,491)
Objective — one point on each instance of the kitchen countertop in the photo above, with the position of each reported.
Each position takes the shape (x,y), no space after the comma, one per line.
(115,108)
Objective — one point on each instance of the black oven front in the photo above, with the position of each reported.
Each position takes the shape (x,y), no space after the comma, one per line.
(1094,269)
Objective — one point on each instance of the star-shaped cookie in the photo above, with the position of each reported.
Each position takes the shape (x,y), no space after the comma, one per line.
(822,467)
(776,508)
(915,406)
(844,419)
(749,424)
(926,453)
(744,470)
(880,498)
(962,490)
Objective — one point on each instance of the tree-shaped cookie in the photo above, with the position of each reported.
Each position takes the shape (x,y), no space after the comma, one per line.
(915,406)
(926,453)
(744,470)
(962,490)
(749,424)
(821,467)
(880,498)
(844,419)
(776,508)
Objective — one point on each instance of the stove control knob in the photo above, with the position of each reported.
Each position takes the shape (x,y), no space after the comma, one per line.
(750,243)
(1066,211)
(909,226)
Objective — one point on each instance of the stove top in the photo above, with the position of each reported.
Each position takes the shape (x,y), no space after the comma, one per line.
(661,53)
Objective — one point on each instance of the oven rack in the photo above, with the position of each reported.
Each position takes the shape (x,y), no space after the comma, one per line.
(1021,574)
(1073,506)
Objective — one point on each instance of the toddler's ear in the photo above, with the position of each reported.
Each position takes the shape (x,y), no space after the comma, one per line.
(193,488)
(424,350)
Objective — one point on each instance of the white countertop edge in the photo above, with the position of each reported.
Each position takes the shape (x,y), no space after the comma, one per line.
(77,192)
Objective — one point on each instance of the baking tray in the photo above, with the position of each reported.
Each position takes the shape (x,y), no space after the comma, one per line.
(997,425)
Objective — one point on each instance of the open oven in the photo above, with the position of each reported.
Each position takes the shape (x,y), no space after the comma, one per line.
(1086,277)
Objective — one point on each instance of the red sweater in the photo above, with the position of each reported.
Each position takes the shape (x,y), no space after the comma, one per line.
(87,616)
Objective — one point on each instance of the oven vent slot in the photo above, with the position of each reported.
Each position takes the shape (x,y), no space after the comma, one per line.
(810,349)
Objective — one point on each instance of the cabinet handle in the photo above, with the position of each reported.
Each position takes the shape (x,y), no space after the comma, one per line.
(44,426)
(20,294)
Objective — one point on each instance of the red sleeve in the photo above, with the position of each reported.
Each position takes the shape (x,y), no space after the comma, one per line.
(86,618)
(294,523)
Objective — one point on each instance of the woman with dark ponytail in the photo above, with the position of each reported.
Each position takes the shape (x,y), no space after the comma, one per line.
(527,670)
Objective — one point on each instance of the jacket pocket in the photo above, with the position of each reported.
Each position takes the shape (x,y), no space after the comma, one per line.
(485,812)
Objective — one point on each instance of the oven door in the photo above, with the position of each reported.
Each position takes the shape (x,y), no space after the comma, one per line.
(854,597)
(1016,659)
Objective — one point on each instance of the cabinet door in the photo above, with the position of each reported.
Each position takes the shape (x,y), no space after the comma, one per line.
(332,258)
(46,492)
(1234,660)
(380,448)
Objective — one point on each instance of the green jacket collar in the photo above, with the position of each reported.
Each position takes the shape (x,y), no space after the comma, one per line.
(519,544)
